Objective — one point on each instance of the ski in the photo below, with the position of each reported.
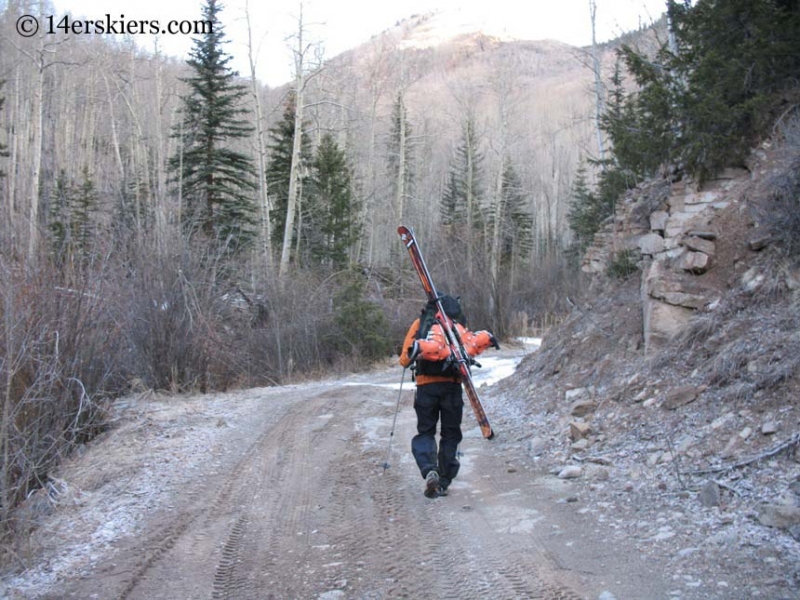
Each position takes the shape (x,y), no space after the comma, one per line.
(451,332)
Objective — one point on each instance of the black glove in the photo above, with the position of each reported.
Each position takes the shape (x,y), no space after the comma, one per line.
(493,342)
(413,350)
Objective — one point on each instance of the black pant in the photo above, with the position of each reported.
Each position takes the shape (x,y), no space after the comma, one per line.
(432,401)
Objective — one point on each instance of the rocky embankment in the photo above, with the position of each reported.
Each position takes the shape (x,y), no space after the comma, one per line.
(672,395)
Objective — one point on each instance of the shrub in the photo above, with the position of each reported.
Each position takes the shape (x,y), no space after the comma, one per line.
(623,265)
(361,325)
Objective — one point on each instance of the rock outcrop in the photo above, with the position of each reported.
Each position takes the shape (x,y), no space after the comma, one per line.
(672,230)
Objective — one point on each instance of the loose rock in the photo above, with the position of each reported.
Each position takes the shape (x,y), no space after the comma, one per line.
(570,472)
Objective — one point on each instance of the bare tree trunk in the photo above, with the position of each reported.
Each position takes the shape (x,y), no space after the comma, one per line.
(264,204)
(368,215)
(36,163)
(161,181)
(180,178)
(599,97)
(378,70)
(503,85)
(294,171)
(143,192)
(11,190)
(499,214)
(113,125)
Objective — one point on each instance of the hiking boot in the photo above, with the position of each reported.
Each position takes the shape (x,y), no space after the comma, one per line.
(432,484)
(443,490)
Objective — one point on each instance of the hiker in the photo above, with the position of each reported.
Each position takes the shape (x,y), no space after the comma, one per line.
(439,394)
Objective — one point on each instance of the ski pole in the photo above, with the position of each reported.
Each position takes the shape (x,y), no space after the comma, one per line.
(394,421)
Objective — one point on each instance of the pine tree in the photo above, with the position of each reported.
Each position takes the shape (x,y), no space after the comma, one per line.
(461,207)
(638,126)
(73,217)
(586,213)
(281,139)
(216,181)
(517,229)
(737,58)
(361,325)
(463,193)
(59,218)
(450,206)
(83,221)
(703,101)
(333,222)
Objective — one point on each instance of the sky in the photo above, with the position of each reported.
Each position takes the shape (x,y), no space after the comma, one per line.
(342,24)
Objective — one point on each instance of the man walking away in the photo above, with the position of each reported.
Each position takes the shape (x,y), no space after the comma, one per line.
(439,394)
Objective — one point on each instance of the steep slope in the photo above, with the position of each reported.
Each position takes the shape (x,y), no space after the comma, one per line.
(695,418)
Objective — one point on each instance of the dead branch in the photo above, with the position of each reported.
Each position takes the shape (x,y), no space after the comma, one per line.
(793,441)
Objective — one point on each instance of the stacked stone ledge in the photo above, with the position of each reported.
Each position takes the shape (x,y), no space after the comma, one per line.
(677,244)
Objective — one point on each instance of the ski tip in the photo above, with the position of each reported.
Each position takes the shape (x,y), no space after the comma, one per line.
(490,436)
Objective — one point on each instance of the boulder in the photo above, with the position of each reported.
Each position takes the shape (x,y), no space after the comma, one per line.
(681,396)
(698,244)
(779,516)
(676,203)
(658,220)
(580,445)
(678,289)
(651,243)
(694,262)
(579,430)
(570,472)
(683,222)
(759,241)
(577,393)
(678,223)
(662,322)
(769,428)
(705,197)
(581,408)
(706,234)
(709,495)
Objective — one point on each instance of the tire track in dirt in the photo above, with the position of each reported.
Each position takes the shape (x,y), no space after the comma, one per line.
(277,550)
(449,549)
(524,565)
(201,529)
(277,507)
(306,509)
(359,518)
(418,543)
(225,580)
(206,519)
(161,542)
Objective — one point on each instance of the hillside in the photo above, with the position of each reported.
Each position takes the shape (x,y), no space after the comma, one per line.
(530,102)
(690,420)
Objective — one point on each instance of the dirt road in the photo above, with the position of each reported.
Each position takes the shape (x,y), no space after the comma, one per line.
(280,493)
